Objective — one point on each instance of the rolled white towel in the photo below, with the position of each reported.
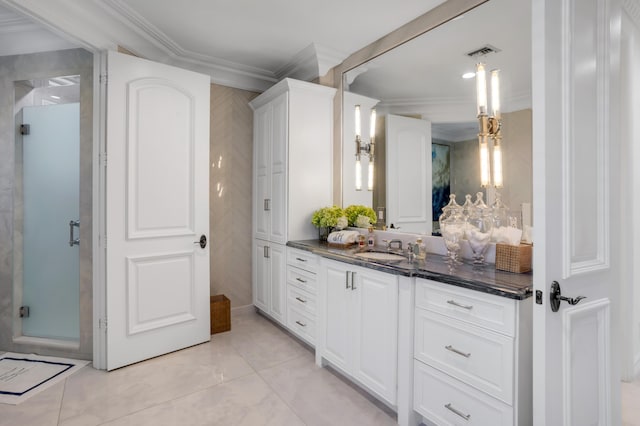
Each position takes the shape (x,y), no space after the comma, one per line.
(343,237)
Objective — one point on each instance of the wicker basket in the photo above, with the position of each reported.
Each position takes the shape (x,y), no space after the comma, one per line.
(220,313)
(514,258)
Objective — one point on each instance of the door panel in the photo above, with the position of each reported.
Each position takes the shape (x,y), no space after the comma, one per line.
(375,314)
(159,204)
(262,179)
(278,260)
(157,199)
(337,324)
(50,190)
(279,150)
(409,174)
(576,188)
(261,273)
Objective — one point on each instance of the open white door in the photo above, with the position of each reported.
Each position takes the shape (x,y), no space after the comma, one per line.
(157,198)
(408,150)
(576,210)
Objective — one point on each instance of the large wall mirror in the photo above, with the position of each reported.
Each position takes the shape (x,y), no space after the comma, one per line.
(426,143)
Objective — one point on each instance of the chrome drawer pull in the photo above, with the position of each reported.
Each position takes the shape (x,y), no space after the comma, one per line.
(459,413)
(301,324)
(454,350)
(454,303)
(301,280)
(301,260)
(301,300)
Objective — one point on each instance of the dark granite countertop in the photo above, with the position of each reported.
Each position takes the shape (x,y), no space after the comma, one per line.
(485,279)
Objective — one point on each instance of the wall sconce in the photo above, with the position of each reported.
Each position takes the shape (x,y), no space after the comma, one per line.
(489,127)
(367,149)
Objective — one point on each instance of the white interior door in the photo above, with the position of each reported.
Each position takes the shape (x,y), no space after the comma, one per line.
(157,283)
(409,177)
(576,204)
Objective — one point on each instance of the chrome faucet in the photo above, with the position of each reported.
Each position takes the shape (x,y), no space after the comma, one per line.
(390,242)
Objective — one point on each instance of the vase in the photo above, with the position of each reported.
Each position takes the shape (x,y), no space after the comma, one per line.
(324,231)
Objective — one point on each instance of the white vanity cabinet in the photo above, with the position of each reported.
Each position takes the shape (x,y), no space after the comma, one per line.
(358,325)
(292,175)
(472,356)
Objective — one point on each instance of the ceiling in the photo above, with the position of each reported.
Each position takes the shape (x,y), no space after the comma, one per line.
(249,44)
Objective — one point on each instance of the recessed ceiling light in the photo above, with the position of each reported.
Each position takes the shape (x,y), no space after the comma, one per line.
(468,75)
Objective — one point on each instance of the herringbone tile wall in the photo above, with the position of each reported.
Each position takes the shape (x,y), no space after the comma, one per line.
(231,153)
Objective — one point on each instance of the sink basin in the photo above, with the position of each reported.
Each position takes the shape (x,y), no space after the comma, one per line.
(381,257)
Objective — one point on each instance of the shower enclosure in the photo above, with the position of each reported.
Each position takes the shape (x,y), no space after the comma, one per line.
(46,212)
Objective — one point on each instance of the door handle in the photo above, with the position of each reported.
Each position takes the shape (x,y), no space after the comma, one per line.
(346,279)
(267,204)
(266,251)
(555,297)
(353,281)
(73,241)
(202,241)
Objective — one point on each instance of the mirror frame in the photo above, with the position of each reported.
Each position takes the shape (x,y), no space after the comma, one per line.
(334,78)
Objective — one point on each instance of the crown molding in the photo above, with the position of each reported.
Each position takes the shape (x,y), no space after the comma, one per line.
(310,63)
(106,24)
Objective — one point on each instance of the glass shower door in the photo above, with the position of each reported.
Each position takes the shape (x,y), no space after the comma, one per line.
(51,170)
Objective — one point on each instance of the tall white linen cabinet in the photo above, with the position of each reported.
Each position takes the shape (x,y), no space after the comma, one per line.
(292,177)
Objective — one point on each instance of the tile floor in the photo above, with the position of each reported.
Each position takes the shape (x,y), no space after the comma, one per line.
(256,374)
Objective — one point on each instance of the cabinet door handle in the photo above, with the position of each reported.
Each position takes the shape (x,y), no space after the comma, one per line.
(456,351)
(353,281)
(301,259)
(301,280)
(346,279)
(454,303)
(301,300)
(266,251)
(458,412)
(267,204)
(300,324)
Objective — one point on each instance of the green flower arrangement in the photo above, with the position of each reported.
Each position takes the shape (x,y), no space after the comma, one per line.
(352,212)
(327,217)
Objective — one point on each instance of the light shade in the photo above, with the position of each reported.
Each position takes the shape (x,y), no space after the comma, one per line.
(358,174)
(497,166)
(495,93)
(358,122)
(484,161)
(372,131)
(370,179)
(481,88)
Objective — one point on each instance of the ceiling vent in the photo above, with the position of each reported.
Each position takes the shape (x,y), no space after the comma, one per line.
(484,50)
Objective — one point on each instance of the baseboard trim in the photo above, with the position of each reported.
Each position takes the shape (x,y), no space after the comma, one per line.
(242,309)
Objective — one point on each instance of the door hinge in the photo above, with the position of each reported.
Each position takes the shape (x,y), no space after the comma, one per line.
(104,78)
(102,323)
(24,311)
(103,159)
(25,129)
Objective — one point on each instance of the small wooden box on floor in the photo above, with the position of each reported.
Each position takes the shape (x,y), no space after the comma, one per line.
(220,314)
(514,258)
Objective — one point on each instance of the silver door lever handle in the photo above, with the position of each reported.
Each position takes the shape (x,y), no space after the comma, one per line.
(73,241)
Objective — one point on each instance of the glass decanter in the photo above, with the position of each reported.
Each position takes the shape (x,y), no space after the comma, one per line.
(452,229)
(467,206)
(446,210)
(479,228)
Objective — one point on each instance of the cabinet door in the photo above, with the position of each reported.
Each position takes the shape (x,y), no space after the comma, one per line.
(262,171)
(375,320)
(279,145)
(278,282)
(261,275)
(337,320)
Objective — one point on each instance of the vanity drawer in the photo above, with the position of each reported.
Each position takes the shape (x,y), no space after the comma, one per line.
(302,259)
(302,324)
(486,310)
(302,279)
(447,401)
(480,358)
(302,300)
